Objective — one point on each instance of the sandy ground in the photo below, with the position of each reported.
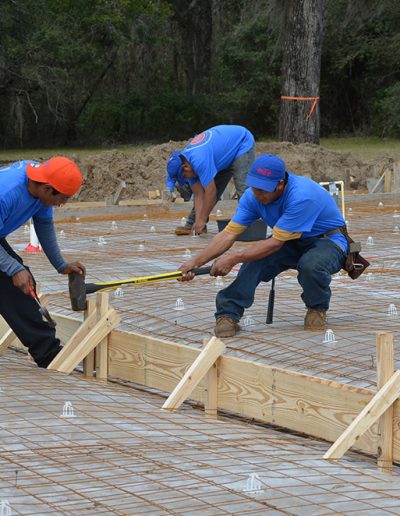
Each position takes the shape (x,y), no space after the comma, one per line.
(145,169)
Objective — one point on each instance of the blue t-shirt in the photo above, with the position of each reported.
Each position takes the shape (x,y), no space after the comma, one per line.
(304,207)
(16,203)
(215,149)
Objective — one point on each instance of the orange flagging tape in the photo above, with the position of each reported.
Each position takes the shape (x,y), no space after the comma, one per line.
(314,99)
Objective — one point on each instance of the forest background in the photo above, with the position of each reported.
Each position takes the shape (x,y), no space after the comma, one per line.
(90,72)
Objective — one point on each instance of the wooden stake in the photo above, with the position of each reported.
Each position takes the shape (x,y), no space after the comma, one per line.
(102,305)
(385,370)
(89,361)
(6,340)
(100,330)
(211,400)
(211,390)
(388,181)
(382,400)
(396,178)
(195,373)
(84,329)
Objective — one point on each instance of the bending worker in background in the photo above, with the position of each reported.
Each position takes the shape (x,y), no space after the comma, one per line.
(208,163)
(28,189)
(305,237)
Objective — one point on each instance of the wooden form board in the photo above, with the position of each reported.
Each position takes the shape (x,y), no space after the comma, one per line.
(382,400)
(196,372)
(315,406)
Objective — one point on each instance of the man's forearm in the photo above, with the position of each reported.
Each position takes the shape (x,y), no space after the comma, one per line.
(8,264)
(209,201)
(47,237)
(218,245)
(258,251)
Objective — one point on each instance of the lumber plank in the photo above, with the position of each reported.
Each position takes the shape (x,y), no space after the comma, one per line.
(66,326)
(100,330)
(381,177)
(195,373)
(211,391)
(396,177)
(89,361)
(316,406)
(388,181)
(102,305)
(385,370)
(375,408)
(150,361)
(83,330)
(6,340)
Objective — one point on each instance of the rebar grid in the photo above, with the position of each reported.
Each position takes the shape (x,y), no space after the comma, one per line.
(122,455)
(358,310)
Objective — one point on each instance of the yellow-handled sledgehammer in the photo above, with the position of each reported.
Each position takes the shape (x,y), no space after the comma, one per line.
(78,289)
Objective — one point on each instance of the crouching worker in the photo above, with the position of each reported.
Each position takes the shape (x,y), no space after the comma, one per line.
(29,189)
(305,237)
(207,164)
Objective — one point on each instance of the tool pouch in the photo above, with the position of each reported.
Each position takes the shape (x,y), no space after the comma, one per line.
(355,264)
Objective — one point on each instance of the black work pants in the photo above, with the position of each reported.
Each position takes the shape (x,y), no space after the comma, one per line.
(21,313)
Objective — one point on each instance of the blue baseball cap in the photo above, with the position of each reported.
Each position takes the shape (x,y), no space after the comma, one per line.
(266,172)
(174,165)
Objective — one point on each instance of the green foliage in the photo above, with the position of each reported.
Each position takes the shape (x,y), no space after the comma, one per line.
(76,71)
(249,75)
(387,111)
(360,67)
(169,115)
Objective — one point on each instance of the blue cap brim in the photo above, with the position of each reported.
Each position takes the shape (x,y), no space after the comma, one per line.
(266,184)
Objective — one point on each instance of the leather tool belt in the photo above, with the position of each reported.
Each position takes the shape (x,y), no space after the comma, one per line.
(355,264)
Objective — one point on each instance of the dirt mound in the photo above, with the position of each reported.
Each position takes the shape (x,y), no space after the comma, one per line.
(144,170)
(325,165)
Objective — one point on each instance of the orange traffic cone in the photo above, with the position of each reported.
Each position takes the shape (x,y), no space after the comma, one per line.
(33,246)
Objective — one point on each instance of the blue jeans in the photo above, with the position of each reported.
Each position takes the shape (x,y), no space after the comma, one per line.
(315,259)
(238,171)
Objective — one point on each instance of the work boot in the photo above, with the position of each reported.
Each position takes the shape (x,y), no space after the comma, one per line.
(315,320)
(187,230)
(226,327)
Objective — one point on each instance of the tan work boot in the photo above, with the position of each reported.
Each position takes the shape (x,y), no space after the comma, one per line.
(315,320)
(187,230)
(226,327)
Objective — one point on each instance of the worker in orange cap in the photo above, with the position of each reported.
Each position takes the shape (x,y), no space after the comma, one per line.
(30,189)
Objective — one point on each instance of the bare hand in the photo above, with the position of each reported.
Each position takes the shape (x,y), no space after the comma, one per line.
(74,267)
(198,227)
(185,268)
(222,266)
(24,281)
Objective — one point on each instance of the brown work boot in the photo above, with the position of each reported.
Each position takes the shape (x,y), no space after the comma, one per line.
(187,230)
(315,320)
(226,327)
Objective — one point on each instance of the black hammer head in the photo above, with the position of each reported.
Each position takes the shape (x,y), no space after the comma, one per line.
(77,291)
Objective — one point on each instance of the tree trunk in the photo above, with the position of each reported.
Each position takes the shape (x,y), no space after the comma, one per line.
(301,70)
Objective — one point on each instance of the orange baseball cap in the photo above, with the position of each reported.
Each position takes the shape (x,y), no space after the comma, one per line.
(59,172)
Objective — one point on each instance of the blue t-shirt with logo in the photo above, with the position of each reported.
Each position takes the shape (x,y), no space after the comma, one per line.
(304,207)
(215,149)
(16,203)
